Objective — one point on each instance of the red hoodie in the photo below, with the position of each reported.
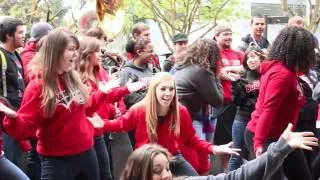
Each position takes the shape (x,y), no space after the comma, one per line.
(279,102)
(135,119)
(229,57)
(106,108)
(26,55)
(66,132)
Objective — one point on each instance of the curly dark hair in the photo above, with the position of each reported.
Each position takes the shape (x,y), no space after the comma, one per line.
(294,47)
(205,53)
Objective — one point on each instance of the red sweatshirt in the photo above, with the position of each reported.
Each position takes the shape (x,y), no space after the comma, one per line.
(106,108)
(27,54)
(229,57)
(135,119)
(279,102)
(67,132)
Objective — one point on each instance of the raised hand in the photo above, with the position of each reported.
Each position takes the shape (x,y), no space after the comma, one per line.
(113,83)
(226,149)
(96,121)
(7,111)
(303,140)
(136,86)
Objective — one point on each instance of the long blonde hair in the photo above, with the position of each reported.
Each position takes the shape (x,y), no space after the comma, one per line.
(45,64)
(151,107)
(88,45)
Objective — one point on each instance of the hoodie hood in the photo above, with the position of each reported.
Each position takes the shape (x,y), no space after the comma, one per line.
(275,64)
(131,65)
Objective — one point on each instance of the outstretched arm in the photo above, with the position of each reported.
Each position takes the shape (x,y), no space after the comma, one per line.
(267,164)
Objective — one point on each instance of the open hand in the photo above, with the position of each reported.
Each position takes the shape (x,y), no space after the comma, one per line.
(136,86)
(259,151)
(113,83)
(7,111)
(96,121)
(226,149)
(303,140)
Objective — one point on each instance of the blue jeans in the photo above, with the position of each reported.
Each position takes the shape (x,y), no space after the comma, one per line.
(83,166)
(103,158)
(181,167)
(238,128)
(33,163)
(9,171)
(12,150)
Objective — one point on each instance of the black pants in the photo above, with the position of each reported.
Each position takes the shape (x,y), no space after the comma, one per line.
(295,166)
(83,166)
(223,131)
(33,163)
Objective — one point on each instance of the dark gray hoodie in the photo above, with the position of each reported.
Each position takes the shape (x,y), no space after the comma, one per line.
(133,72)
(261,168)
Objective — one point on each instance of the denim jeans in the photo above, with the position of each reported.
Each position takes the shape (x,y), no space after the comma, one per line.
(12,150)
(238,128)
(9,171)
(33,163)
(181,167)
(103,158)
(83,166)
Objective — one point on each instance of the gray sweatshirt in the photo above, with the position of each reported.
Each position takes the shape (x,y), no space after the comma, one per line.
(261,168)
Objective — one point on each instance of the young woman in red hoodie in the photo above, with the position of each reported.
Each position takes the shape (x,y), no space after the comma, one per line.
(92,74)
(281,97)
(54,106)
(160,119)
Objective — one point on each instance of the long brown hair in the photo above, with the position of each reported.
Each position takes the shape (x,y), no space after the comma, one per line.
(139,164)
(88,45)
(45,64)
(151,107)
(205,53)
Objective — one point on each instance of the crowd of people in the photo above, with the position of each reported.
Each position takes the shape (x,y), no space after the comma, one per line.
(71,109)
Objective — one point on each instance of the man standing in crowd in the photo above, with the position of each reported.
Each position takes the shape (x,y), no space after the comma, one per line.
(257,25)
(180,45)
(142,31)
(11,82)
(229,70)
(38,30)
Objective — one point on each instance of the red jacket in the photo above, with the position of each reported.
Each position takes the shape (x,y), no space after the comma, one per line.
(67,132)
(135,119)
(106,108)
(279,102)
(229,57)
(26,55)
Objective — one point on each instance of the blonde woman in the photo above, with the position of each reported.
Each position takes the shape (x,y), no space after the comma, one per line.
(160,119)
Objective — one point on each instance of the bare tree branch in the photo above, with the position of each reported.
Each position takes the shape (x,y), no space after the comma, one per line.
(219,11)
(192,15)
(210,29)
(199,28)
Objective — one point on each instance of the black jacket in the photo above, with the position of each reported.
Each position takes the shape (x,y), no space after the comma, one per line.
(167,64)
(197,87)
(245,93)
(14,87)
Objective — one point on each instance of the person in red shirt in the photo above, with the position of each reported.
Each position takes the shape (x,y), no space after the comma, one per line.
(54,106)
(162,120)
(281,96)
(38,30)
(92,75)
(229,70)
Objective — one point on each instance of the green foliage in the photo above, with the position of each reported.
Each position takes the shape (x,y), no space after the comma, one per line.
(52,11)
